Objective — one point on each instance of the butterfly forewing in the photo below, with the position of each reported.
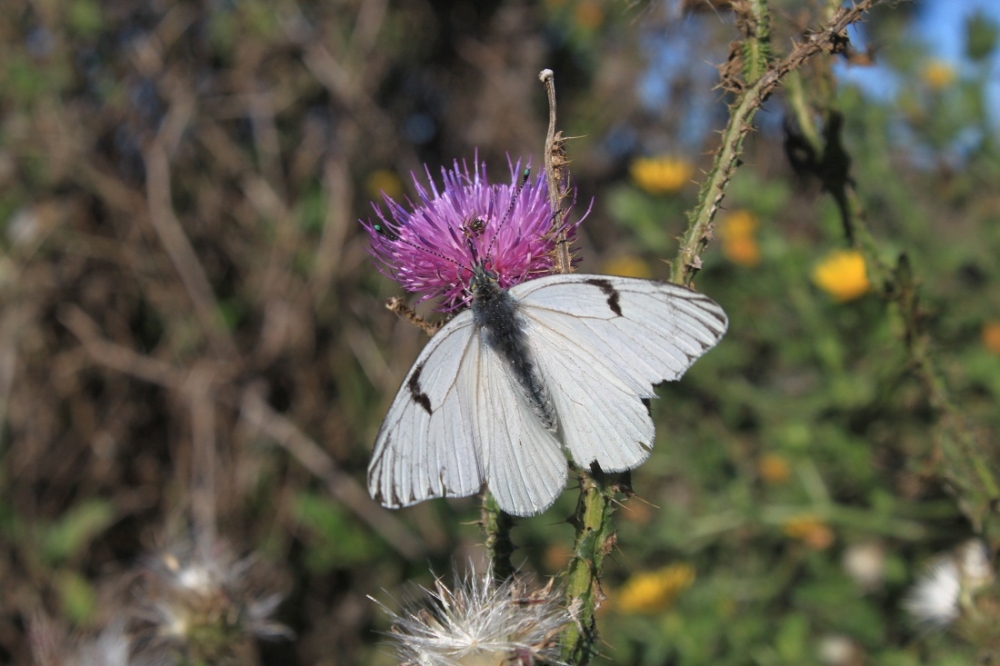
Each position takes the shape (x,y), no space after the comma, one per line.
(426,447)
(602,342)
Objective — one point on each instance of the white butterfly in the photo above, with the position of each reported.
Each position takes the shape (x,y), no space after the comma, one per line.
(555,365)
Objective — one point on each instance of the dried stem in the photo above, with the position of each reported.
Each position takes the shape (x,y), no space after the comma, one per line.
(555,175)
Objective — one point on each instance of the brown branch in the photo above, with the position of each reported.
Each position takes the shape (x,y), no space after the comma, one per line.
(251,404)
(180,251)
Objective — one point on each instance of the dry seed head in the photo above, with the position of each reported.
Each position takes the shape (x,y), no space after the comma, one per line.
(481,623)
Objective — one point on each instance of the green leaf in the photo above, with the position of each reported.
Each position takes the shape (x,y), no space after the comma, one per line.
(73,533)
(77,596)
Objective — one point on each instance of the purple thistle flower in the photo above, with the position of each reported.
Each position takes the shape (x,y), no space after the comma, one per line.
(432,249)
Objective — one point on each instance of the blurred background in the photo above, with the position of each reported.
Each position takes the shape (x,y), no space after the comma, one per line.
(195,354)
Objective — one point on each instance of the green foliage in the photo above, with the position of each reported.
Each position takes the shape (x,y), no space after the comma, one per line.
(75,530)
(336,540)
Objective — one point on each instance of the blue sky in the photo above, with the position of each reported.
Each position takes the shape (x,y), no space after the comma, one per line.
(940,24)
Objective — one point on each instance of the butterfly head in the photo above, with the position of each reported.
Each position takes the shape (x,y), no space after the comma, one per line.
(484,282)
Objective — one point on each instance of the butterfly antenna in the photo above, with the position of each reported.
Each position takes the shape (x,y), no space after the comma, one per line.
(393,237)
(510,209)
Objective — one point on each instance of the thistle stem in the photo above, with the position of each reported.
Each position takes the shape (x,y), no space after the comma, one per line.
(595,537)
(496,526)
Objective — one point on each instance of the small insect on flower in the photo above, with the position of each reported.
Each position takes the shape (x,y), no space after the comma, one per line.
(539,366)
(481,623)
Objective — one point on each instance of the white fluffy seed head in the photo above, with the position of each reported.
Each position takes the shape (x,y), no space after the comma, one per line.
(481,623)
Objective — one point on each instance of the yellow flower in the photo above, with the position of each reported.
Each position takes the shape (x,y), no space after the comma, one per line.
(383,180)
(654,591)
(661,175)
(938,75)
(740,223)
(773,469)
(991,336)
(736,230)
(842,274)
(742,251)
(627,265)
(810,530)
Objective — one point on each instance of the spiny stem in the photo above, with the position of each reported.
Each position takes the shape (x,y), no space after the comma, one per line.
(829,39)
(754,21)
(595,537)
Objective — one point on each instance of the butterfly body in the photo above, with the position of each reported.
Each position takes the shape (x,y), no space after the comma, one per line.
(556,366)
(496,314)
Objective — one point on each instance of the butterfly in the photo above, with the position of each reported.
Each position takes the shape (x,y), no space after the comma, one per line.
(556,365)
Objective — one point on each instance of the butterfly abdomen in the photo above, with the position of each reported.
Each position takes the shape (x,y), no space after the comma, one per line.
(496,315)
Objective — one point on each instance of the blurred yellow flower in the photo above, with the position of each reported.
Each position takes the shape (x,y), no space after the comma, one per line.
(991,336)
(938,75)
(773,469)
(628,266)
(742,251)
(654,591)
(661,175)
(740,223)
(810,530)
(588,14)
(383,180)
(739,245)
(842,274)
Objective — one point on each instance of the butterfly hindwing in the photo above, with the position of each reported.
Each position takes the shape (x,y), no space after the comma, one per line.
(525,466)
(601,343)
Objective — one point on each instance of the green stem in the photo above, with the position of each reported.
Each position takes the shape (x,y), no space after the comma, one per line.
(756,24)
(595,537)
(496,526)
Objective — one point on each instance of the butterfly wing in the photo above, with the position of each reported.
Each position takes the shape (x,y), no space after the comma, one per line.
(601,343)
(459,419)
(525,466)
(427,446)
